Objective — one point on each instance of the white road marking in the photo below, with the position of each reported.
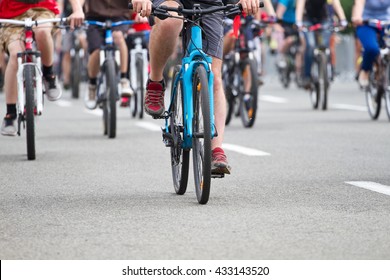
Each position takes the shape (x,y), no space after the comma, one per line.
(372,186)
(63,103)
(244,150)
(273,99)
(349,107)
(149,126)
(96,112)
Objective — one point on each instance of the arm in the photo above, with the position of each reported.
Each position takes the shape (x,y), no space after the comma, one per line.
(357,12)
(77,17)
(339,10)
(280,10)
(299,11)
(269,8)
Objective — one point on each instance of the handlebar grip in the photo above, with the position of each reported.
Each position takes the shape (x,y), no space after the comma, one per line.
(261,4)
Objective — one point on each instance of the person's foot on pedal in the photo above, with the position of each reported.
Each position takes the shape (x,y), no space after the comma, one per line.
(125,102)
(219,163)
(126,90)
(90,98)
(154,98)
(9,127)
(52,90)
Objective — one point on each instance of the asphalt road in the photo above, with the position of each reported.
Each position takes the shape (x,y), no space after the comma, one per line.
(89,197)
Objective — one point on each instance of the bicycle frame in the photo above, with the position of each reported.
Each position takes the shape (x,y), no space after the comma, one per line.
(195,56)
(138,50)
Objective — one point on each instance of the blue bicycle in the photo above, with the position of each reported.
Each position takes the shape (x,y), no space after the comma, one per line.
(189,121)
(107,89)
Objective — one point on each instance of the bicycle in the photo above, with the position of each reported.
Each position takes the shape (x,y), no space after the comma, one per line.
(189,120)
(107,88)
(379,79)
(240,74)
(30,87)
(78,64)
(138,69)
(321,67)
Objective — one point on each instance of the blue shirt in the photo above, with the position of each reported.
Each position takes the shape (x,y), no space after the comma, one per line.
(289,14)
(377,9)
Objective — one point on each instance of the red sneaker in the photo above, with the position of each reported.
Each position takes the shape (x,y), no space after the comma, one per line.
(219,163)
(154,98)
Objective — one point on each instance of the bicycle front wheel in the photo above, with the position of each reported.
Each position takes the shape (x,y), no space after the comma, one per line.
(387,90)
(109,113)
(373,96)
(141,85)
(179,158)
(323,81)
(75,74)
(29,73)
(248,102)
(201,129)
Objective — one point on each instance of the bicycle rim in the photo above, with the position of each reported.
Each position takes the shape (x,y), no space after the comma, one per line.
(201,142)
(248,104)
(111,97)
(373,97)
(29,73)
(179,157)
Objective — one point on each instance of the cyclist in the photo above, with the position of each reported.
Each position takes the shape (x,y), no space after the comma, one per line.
(10,41)
(103,10)
(364,10)
(163,43)
(286,11)
(315,12)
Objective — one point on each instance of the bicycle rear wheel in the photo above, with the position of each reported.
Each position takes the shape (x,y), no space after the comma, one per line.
(179,158)
(248,102)
(29,73)
(109,106)
(373,95)
(201,129)
(315,92)
(387,90)
(75,74)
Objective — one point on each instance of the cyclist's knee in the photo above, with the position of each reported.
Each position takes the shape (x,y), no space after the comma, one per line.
(118,37)
(170,27)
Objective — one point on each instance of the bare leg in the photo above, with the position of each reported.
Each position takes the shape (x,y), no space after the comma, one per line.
(219,103)
(121,44)
(93,64)
(45,43)
(10,80)
(163,41)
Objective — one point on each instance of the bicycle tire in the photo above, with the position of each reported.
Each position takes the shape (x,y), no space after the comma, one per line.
(315,92)
(373,96)
(228,93)
(75,75)
(29,73)
(111,97)
(141,85)
(387,90)
(180,158)
(324,83)
(248,107)
(201,128)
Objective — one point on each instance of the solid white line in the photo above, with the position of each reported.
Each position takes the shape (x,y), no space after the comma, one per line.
(149,126)
(372,186)
(96,112)
(63,103)
(273,99)
(244,150)
(349,107)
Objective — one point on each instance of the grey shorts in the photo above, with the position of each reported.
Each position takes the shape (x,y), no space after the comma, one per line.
(212,27)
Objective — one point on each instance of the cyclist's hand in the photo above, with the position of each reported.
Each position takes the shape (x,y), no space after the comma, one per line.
(142,7)
(249,7)
(140,19)
(343,24)
(357,21)
(76,19)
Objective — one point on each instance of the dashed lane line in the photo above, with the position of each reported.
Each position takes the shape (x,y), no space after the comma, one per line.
(273,99)
(372,186)
(349,107)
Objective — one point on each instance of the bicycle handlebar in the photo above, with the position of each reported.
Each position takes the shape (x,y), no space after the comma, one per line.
(28,22)
(377,23)
(162,11)
(113,23)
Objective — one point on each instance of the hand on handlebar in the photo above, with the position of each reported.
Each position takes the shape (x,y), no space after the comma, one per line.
(142,7)
(249,7)
(76,19)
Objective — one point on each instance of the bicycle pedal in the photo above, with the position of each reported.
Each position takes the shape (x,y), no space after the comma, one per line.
(167,138)
(164,116)
(217,176)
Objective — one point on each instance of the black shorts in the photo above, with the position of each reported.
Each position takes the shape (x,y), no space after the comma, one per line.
(212,26)
(96,35)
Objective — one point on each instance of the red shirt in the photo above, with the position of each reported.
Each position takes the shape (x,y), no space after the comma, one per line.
(13,8)
(142,26)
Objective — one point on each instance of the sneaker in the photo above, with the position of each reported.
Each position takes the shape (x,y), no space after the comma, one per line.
(52,90)
(219,163)
(306,83)
(9,127)
(126,90)
(90,98)
(125,102)
(154,98)
(363,79)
